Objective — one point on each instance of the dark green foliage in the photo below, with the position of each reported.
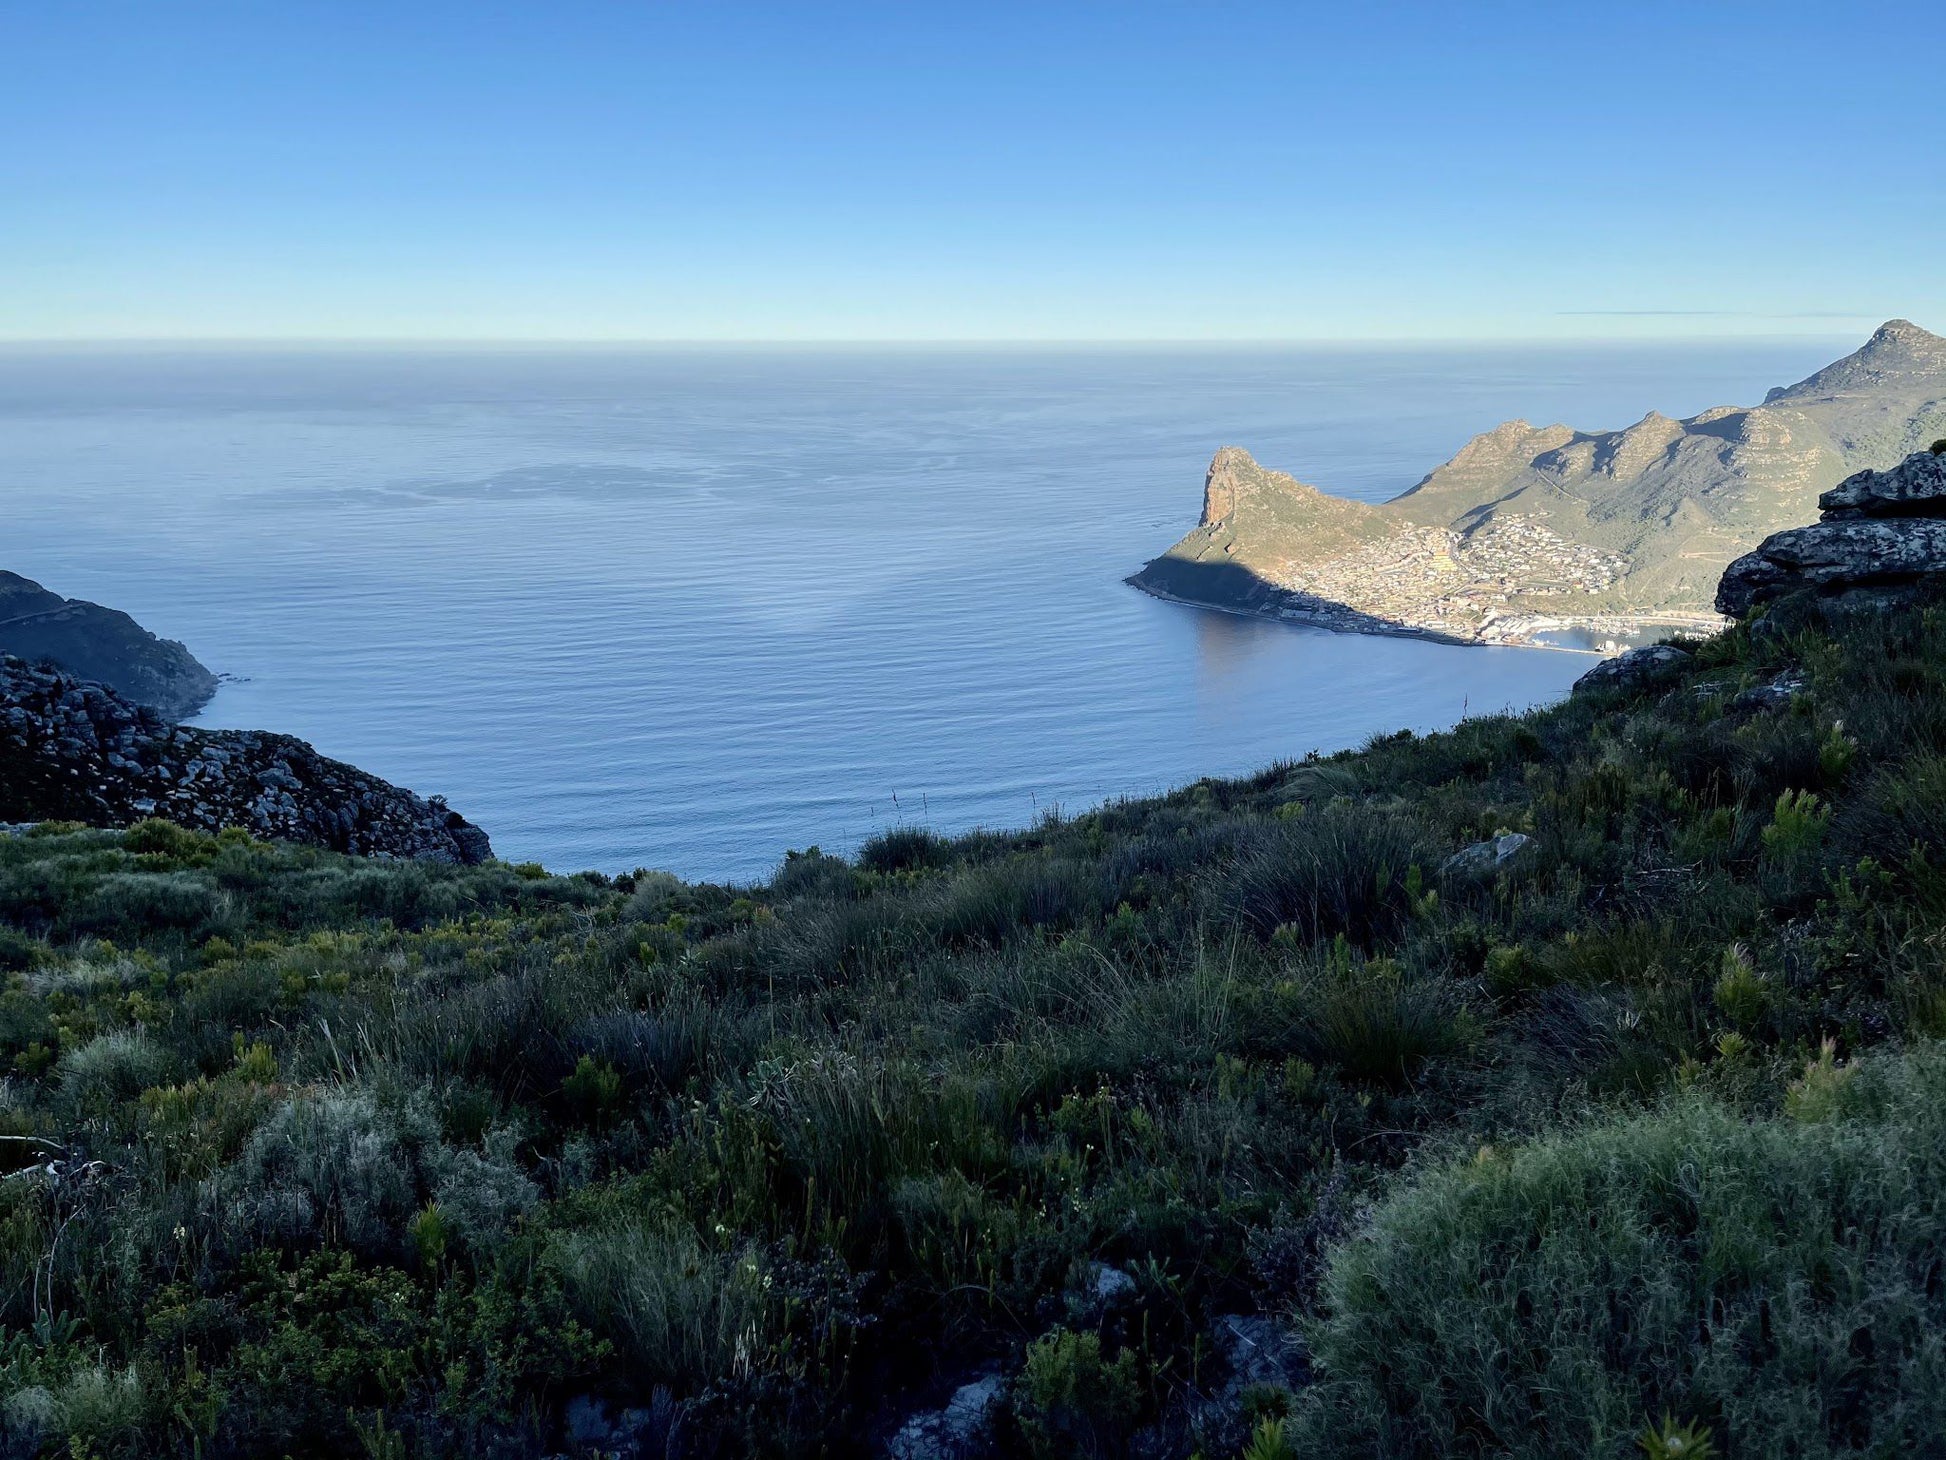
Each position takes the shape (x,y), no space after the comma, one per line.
(314,1156)
(1073,1402)
(1338,870)
(903,849)
(1375,1021)
(1774,1277)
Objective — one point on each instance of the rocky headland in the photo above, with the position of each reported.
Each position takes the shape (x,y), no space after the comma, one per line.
(1531,529)
(72,750)
(101,644)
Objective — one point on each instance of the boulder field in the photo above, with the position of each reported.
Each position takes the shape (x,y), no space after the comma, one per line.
(73,750)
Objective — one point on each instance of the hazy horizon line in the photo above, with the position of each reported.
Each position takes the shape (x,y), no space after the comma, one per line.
(516,342)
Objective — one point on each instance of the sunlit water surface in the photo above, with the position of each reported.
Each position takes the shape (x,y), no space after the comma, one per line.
(686,609)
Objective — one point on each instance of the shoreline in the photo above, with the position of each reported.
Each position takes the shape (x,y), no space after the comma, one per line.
(1340,619)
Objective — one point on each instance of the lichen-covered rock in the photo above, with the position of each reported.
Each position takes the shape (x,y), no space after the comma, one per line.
(1635,670)
(1258,1351)
(1861,552)
(1916,487)
(1766,698)
(961,1430)
(71,750)
(1496,854)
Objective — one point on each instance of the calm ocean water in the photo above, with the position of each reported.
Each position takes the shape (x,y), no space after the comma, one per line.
(686,609)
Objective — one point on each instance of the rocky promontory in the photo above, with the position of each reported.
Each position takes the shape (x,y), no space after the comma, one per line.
(1529,530)
(101,644)
(71,750)
(1878,530)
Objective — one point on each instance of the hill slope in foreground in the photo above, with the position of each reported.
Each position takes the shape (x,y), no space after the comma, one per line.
(1251,1109)
(1530,528)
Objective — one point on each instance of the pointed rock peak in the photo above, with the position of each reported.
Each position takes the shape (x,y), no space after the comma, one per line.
(1902,333)
(1898,353)
(1230,473)
(1231,458)
(1235,476)
(1510,440)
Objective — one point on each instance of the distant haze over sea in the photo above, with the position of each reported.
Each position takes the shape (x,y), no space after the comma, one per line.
(688,608)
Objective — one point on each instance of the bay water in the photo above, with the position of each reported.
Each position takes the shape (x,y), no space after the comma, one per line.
(687,608)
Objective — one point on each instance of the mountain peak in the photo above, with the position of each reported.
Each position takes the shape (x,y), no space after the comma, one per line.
(1904,336)
(1898,353)
(1235,475)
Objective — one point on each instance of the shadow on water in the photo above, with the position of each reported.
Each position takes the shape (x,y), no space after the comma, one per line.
(1236,589)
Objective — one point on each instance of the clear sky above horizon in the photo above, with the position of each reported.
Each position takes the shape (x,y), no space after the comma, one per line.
(419,170)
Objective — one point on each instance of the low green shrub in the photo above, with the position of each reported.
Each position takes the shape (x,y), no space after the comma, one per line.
(1071,1401)
(113,1069)
(1770,1277)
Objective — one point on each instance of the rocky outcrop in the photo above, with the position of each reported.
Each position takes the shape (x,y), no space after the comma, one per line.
(71,750)
(1916,487)
(1880,530)
(102,644)
(1635,670)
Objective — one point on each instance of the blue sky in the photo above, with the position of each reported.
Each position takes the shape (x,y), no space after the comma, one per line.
(982,171)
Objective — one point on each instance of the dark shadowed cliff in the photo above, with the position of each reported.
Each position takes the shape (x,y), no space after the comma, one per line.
(102,644)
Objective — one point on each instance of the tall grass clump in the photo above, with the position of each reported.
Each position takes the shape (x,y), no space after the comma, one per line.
(904,849)
(1373,1019)
(1337,869)
(679,1312)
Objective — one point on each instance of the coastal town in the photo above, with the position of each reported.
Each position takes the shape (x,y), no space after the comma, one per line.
(1488,584)
(1509,580)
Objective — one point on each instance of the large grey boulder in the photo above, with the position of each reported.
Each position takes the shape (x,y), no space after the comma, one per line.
(1635,670)
(1859,552)
(1496,854)
(1916,487)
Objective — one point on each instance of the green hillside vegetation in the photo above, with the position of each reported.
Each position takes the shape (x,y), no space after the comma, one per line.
(313,1156)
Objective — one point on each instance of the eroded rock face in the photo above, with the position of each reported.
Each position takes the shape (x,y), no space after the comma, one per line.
(1881,533)
(71,750)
